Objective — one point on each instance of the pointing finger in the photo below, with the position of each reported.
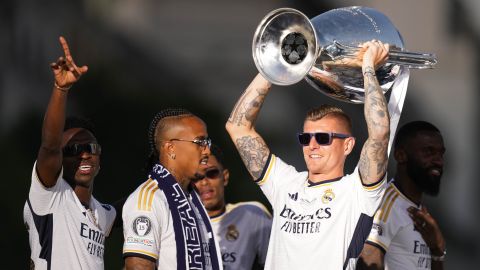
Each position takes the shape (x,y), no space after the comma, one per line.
(65,47)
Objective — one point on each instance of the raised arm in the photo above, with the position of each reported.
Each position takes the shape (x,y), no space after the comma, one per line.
(49,159)
(373,159)
(241,126)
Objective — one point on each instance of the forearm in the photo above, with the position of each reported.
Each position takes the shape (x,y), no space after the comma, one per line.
(54,120)
(375,109)
(241,127)
(246,110)
(373,159)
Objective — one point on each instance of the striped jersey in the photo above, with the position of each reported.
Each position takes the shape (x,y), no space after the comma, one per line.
(62,233)
(148,227)
(243,231)
(394,233)
(317,225)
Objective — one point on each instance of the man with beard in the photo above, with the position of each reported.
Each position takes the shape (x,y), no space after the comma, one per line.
(404,235)
(165,225)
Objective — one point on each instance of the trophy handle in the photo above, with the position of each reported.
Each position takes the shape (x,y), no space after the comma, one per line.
(403,58)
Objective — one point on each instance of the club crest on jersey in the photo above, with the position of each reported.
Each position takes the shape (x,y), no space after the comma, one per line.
(142,226)
(328,196)
(232,233)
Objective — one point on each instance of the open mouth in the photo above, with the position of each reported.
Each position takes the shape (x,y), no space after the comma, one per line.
(206,194)
(85,169)
(435,171)
(204,161)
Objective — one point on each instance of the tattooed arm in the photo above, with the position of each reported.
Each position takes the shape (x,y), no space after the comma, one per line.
(241,126)
(373,159)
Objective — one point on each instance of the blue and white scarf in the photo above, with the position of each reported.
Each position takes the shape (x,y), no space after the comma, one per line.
(190,252)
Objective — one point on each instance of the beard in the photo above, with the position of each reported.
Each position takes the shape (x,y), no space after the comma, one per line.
(426,182)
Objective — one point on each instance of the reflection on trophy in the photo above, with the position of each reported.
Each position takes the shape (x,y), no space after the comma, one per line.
(288,47)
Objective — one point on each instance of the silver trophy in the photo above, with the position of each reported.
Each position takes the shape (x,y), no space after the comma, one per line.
(288,46)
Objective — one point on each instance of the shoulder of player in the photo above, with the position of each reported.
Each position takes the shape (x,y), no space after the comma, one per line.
(252,207)
(393,208)
(145,197)
(104,206)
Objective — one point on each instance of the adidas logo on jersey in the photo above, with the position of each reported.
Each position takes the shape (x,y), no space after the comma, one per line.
(293,196)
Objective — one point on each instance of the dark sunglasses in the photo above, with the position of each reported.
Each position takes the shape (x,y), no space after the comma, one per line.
(322,138)
(77,149)
(213,173)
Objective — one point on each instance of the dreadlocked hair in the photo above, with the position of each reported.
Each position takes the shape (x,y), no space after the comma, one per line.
(79,122)
(158,124)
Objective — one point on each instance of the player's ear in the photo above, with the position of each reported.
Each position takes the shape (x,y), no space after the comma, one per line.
(349,143)
(226,177)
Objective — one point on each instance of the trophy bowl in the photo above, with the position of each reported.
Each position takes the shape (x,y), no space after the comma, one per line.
(288,47)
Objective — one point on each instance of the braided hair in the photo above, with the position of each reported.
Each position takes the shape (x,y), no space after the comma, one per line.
(158,124)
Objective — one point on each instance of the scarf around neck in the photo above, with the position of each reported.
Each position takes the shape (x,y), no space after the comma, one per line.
(188,239)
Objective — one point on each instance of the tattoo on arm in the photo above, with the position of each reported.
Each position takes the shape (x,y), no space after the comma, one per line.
(373,160)
(254,153)
(246,110)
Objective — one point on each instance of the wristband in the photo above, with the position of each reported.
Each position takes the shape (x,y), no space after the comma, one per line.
(63,89)
(368,71)
(439,258)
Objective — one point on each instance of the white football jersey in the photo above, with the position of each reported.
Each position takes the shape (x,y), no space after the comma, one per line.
(148,227)
(62,233)
(394,233)
(317,225)
(243,231)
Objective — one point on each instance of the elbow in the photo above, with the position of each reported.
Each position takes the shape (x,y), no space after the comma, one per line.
(229,126)
(233,128)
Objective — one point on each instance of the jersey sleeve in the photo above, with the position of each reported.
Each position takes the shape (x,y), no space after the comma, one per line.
(43,199)
(111,214)
(142,215)
(369,196)
(275,175)
(386,224)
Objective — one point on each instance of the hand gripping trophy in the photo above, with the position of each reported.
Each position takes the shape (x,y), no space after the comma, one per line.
(288,47)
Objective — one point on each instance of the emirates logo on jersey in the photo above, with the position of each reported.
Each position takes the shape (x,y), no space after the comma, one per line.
(232,233)
(328,196)
(142,225)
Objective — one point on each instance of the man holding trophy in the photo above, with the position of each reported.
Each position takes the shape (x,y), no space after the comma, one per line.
(322,216)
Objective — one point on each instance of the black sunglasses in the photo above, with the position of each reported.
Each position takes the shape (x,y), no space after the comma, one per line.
(322,138)
(204,143)
(77,149)
(213,173)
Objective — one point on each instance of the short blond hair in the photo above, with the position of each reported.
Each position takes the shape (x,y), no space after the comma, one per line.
(326,110)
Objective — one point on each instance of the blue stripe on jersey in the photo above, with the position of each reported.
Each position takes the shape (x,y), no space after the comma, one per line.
(362,230)
(44,227)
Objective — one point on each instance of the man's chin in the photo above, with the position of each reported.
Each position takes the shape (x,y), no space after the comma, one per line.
(84,182)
